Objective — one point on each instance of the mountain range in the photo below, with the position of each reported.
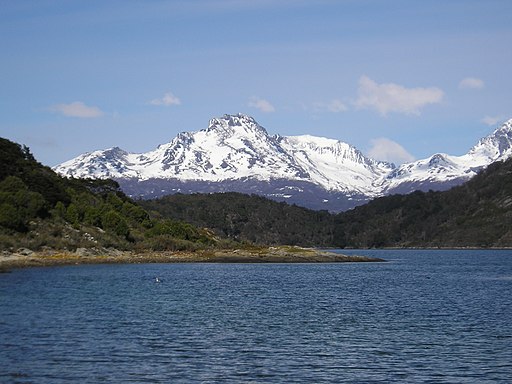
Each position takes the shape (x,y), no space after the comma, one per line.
(236,154)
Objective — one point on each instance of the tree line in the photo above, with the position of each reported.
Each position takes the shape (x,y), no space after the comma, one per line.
(475,214)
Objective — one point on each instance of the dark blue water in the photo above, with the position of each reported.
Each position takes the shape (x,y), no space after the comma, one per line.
(426,316)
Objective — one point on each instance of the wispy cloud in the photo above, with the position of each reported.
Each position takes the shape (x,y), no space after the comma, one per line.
(166,100)
(471,83)
(76,109)
(261,104)
(335,106)
(389,150)
(389,97)
(492,120)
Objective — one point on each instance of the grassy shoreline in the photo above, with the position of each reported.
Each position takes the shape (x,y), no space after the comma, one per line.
(282,254)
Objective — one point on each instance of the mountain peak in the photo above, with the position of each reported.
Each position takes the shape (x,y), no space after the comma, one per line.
(504,130)
(234,123)
(115,152)
(507,125)
(496,146)
(236,153)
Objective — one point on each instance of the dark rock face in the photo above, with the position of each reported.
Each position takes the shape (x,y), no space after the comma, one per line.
(300,193)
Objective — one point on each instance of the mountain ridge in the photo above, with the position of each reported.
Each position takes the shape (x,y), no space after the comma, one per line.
(235,153)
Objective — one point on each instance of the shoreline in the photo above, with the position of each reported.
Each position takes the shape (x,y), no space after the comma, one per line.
(282,254)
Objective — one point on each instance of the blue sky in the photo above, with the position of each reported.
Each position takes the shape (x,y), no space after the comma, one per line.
(398,79)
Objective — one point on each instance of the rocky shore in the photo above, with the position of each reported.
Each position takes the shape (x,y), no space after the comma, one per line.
(282,254)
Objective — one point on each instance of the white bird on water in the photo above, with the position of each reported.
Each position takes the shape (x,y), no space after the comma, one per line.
(157,280)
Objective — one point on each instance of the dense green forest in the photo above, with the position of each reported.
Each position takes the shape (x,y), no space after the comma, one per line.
(250,218)
(476,214)
(39,208)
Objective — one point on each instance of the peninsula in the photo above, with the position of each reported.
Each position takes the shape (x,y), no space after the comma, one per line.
(253,254)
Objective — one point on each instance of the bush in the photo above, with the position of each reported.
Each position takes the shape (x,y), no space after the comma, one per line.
(19,205)
(177,230)
(114,223)
(9,217)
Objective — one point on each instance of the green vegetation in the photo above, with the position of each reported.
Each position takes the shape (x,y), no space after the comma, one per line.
(252,219)
(476,214)
(39,209)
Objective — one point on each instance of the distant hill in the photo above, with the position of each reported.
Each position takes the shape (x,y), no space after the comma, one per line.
(249,218)
(475,214)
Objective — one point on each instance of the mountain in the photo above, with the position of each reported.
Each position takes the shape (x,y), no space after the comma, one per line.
(236,154)
(442,171)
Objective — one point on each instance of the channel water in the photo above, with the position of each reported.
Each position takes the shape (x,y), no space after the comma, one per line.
(425,316)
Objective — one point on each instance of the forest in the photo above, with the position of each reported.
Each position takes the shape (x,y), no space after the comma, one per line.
(475,214)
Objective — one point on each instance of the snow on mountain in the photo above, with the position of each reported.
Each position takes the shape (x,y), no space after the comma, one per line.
(231,147)
(109,163)
(236,153)
(236,147)
(334,164)
(442,171)
(497,146)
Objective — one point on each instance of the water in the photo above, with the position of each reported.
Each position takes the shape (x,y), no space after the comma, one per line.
(426,316)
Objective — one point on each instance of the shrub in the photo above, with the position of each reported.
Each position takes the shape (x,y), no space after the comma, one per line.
(113,222)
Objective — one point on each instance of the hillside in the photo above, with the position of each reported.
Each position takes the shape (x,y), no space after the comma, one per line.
(40,209)
(249,218)
(47,220)
(475,214)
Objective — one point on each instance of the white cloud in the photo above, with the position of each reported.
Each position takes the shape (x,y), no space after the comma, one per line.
(335,106)
(389,150)
(167,100)
(261,104)
(471,83)
(492,120)
(77,109)
(389,97)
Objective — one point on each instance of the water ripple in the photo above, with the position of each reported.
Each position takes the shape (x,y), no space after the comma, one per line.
(438,317)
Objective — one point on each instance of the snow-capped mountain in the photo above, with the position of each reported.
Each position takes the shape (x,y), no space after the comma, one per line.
(232,147)
(235,153)
(335,165)
(442,171)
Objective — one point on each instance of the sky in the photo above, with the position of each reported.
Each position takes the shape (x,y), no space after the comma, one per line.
(398,79)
